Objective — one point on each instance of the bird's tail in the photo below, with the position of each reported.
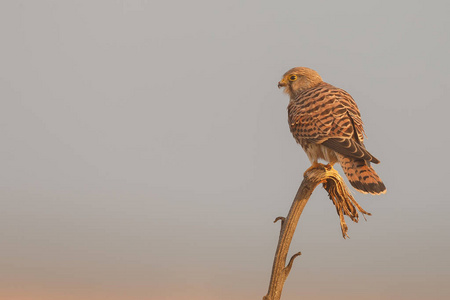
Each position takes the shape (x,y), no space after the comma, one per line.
(361,175)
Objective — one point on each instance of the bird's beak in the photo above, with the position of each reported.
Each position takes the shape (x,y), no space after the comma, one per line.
(282,83)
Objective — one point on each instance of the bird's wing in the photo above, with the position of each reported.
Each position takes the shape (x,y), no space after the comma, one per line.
(329,116)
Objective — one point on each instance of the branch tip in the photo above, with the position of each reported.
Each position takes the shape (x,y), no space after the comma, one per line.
(287,269)
(280,218)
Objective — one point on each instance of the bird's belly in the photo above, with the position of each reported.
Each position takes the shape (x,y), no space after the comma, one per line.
(318,151)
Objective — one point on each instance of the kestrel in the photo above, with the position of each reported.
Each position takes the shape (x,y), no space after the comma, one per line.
(326,122)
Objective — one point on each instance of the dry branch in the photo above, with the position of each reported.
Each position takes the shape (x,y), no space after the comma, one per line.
(345,205)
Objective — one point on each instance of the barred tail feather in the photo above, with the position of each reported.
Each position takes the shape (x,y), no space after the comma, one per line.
(361,175)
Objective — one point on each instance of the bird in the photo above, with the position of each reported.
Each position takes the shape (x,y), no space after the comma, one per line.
(326,122)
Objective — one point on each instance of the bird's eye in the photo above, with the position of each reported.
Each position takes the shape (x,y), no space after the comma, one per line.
(293,77)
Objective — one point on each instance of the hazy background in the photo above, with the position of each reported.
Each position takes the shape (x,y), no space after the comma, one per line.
(145,149)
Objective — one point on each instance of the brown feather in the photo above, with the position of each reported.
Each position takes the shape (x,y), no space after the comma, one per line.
(351,148)
(361,175)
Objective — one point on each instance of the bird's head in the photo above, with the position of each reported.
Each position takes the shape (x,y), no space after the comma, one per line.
(299,79)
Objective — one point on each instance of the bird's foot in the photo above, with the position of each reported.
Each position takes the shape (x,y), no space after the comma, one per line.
(328,166)
(313,166)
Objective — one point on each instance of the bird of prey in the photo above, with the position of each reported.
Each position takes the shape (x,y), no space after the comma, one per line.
(326,122)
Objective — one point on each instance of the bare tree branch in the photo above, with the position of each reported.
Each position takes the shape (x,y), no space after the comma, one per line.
(345,205)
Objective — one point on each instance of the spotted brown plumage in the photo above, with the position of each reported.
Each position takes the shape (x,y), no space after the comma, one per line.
(326,122)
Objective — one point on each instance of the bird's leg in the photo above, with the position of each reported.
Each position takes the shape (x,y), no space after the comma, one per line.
(327,167)
(313,166)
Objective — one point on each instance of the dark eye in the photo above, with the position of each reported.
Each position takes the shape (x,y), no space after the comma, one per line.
(293,77)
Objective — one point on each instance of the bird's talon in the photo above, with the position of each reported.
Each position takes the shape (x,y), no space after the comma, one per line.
(313,166)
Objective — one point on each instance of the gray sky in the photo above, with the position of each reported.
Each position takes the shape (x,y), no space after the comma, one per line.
(146,151)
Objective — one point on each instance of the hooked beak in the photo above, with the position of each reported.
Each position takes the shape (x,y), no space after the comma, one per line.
(282,83)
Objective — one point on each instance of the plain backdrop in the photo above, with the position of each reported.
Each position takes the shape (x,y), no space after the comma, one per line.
(145,149)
